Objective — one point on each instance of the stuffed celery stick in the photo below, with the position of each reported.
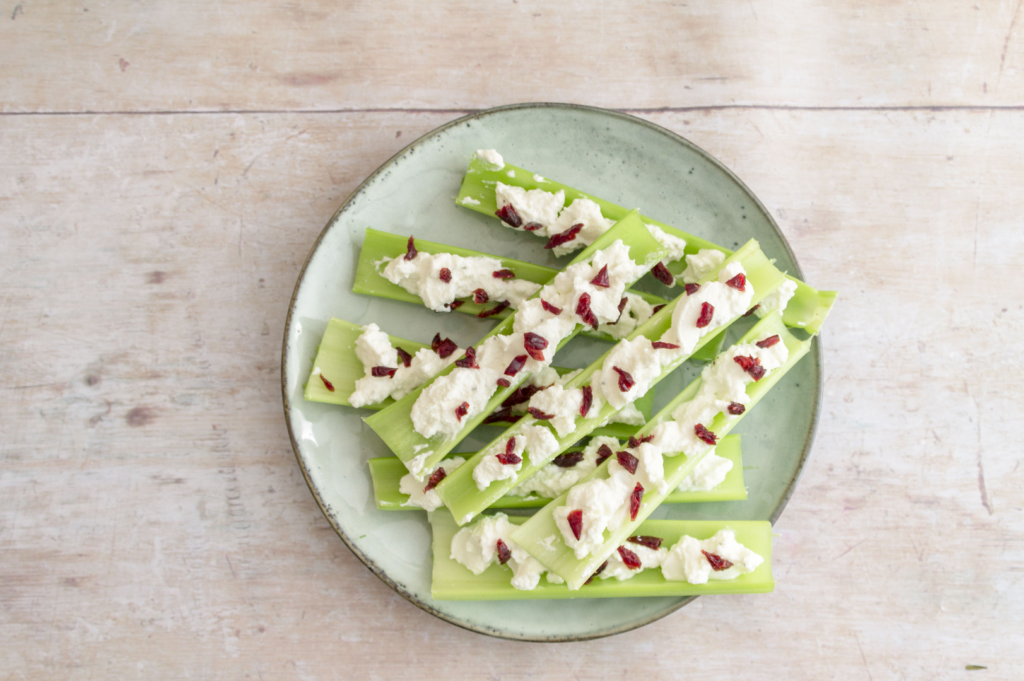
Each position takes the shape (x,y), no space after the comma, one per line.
(578,531)
(526,201)
(427,423)
(630,369)
(666,558)
(390,477)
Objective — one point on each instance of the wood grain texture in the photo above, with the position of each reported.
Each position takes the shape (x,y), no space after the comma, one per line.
(153,522)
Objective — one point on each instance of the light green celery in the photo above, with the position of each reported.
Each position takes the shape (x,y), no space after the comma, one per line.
(806,310)
(454,582)
(380,245)
(394,424)
(459,490)
(561,558)
(387,473)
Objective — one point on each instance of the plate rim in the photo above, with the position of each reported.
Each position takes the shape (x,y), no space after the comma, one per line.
(816,353)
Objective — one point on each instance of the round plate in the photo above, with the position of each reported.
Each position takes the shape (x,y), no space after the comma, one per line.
(612,155)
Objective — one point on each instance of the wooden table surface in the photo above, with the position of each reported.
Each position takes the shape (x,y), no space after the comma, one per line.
(166,167)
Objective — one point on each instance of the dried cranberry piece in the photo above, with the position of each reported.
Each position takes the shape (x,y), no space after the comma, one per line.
(603,452)
(520,395)
(662,345)
(751,310)
(602,278)
(461,410)
(535,345)
(532,226)
(584,311)
(646,540)
(503,274)
(717,562)
(596,573)
(539,415)
(622,306)
(657,308)
(739,282)
(503,553)
(551,308)
(404,356)
(768,342)
(630,559)
(435,478)
(508,214)
(504,382)
(469,361)
(626,381)
(575,519)
(634,500)
(509,458)
(588,399)
(635,442)
(735,408)
(662,274)
(707,311)
(705,434)
(446,275)
(443,348)
(567,460)
(410,250)
(752,365)
(691,289)
(327,384)
(627,461)
(564,237)
(515,365)
(499,416)
(455,304)
(480,296)
(381,372)
(500,307)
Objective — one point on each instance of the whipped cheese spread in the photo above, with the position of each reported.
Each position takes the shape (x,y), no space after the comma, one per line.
(491,158)
(708,474)
(551,480)
(649,560)
(635,312)
(429,500)
(373,349)
(535,441)
(726,301)
(701,264)
(686,562)
(476,548)
(777,299)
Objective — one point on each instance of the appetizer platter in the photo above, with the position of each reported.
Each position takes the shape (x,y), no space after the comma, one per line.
(513,393)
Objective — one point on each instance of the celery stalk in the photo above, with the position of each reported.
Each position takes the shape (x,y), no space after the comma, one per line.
(806,310)
(459,490)
(453,582)
(561,559)
(387,472)
(394,424)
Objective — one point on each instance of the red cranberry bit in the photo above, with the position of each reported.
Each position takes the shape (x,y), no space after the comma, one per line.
(410,250)
(657,308)
(509,215)
(584,311)
(567,460)
(735,408)
(627,461)
(497,309)
(739,282)
(707,311)
(705,434)
(564,237)
(446,275)
(404,356)
(327,384)
(500,416)
(634,500)
(662,274)
(515,365)
(461,410)
(520,395)
(630,559)
(381,372)
(551,308)
(636,442)
(646,540)
(503,274)
(503,553)
(509,459)
(691,289)
(717,562)
(532,226)
(751,310)
(539,415)
(602,278)
(603,452)
(480,296)
(504,382)
(456,304)
(596,573)
(626,381)
(662,345)
(752,365)
(535,345)
(435,478)
(588,399)
(768,342)
(469,361)
(622,306)
(443,348)
(575,519)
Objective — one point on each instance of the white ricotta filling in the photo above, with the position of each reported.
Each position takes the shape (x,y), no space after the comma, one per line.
(551,480)
(563,406)
(629,415)
(649,560)
(430,500)
(777,299)
(373,349)
(605,506)
(707,475)
(701,264)
(580,212)
(640,360)
(685,562)
(636,312)
(727,302)
(491,158)
(532,205)
(534,441)
(676,246)
(476,548)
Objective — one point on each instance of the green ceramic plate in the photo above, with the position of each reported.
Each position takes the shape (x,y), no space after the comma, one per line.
(618,157)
